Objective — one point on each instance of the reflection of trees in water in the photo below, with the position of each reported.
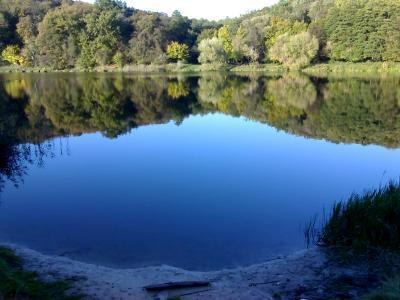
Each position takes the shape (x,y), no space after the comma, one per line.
(16,159)
(357,111)
(230,94)
(38,107)
(177,89)
(292,90)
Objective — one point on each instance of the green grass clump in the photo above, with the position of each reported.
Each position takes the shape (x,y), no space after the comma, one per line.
(15,283)
(390,290)
(367,221)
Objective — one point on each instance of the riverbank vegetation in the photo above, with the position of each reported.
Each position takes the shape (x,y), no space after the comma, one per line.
(66,34)
(349,69)
(366,228)
(15,283)
(367,221)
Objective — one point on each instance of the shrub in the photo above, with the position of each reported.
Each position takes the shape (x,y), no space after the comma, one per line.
(294,52)
(212,52)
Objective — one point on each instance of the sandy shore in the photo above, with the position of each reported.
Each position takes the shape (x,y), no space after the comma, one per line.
(307,274)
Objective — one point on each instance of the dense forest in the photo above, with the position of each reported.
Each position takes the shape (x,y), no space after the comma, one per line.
(63,34)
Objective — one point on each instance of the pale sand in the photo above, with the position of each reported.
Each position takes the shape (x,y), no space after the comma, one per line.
(302,275)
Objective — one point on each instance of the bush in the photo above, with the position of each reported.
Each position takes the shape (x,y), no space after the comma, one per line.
(212,52)
(294,52)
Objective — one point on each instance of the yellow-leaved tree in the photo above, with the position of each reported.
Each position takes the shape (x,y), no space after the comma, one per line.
(177,51)
(12,54)
(225,36)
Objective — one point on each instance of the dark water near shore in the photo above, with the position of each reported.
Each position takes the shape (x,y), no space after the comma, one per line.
(196,172)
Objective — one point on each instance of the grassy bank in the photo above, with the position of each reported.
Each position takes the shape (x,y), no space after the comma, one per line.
(152,68)
(273,69)
(368,69)
(15,283)
(338,69)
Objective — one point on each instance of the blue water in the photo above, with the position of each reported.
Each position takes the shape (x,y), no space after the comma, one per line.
(215,192)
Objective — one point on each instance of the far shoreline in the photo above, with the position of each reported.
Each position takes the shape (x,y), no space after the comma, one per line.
(331,69)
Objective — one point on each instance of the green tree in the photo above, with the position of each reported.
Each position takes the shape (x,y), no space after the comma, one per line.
(364,30)
(177,51)
(148,41)
(58,38)
(23,17)
(294,52)
(278,26)
(212,52)
(26,29)
(99,42)
(249,41)
(178,29)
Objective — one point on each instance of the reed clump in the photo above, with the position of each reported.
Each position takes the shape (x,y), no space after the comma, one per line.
(366,221)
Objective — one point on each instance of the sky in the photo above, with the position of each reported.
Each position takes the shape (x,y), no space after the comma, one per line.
(208,9)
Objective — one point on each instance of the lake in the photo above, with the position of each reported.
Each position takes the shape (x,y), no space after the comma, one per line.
(199,172)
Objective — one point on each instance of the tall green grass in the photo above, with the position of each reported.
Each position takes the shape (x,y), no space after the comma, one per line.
(363,222)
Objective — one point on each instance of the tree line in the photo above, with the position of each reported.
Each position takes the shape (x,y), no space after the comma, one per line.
(62,34)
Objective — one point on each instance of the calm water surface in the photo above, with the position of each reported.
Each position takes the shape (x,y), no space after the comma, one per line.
(196,172)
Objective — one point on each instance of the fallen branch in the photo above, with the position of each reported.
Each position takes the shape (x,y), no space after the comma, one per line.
(261,283)
(176,285)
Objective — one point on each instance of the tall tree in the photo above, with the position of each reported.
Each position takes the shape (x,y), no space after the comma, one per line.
(102,37)
(178,29)
(149,40)
(59,32)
